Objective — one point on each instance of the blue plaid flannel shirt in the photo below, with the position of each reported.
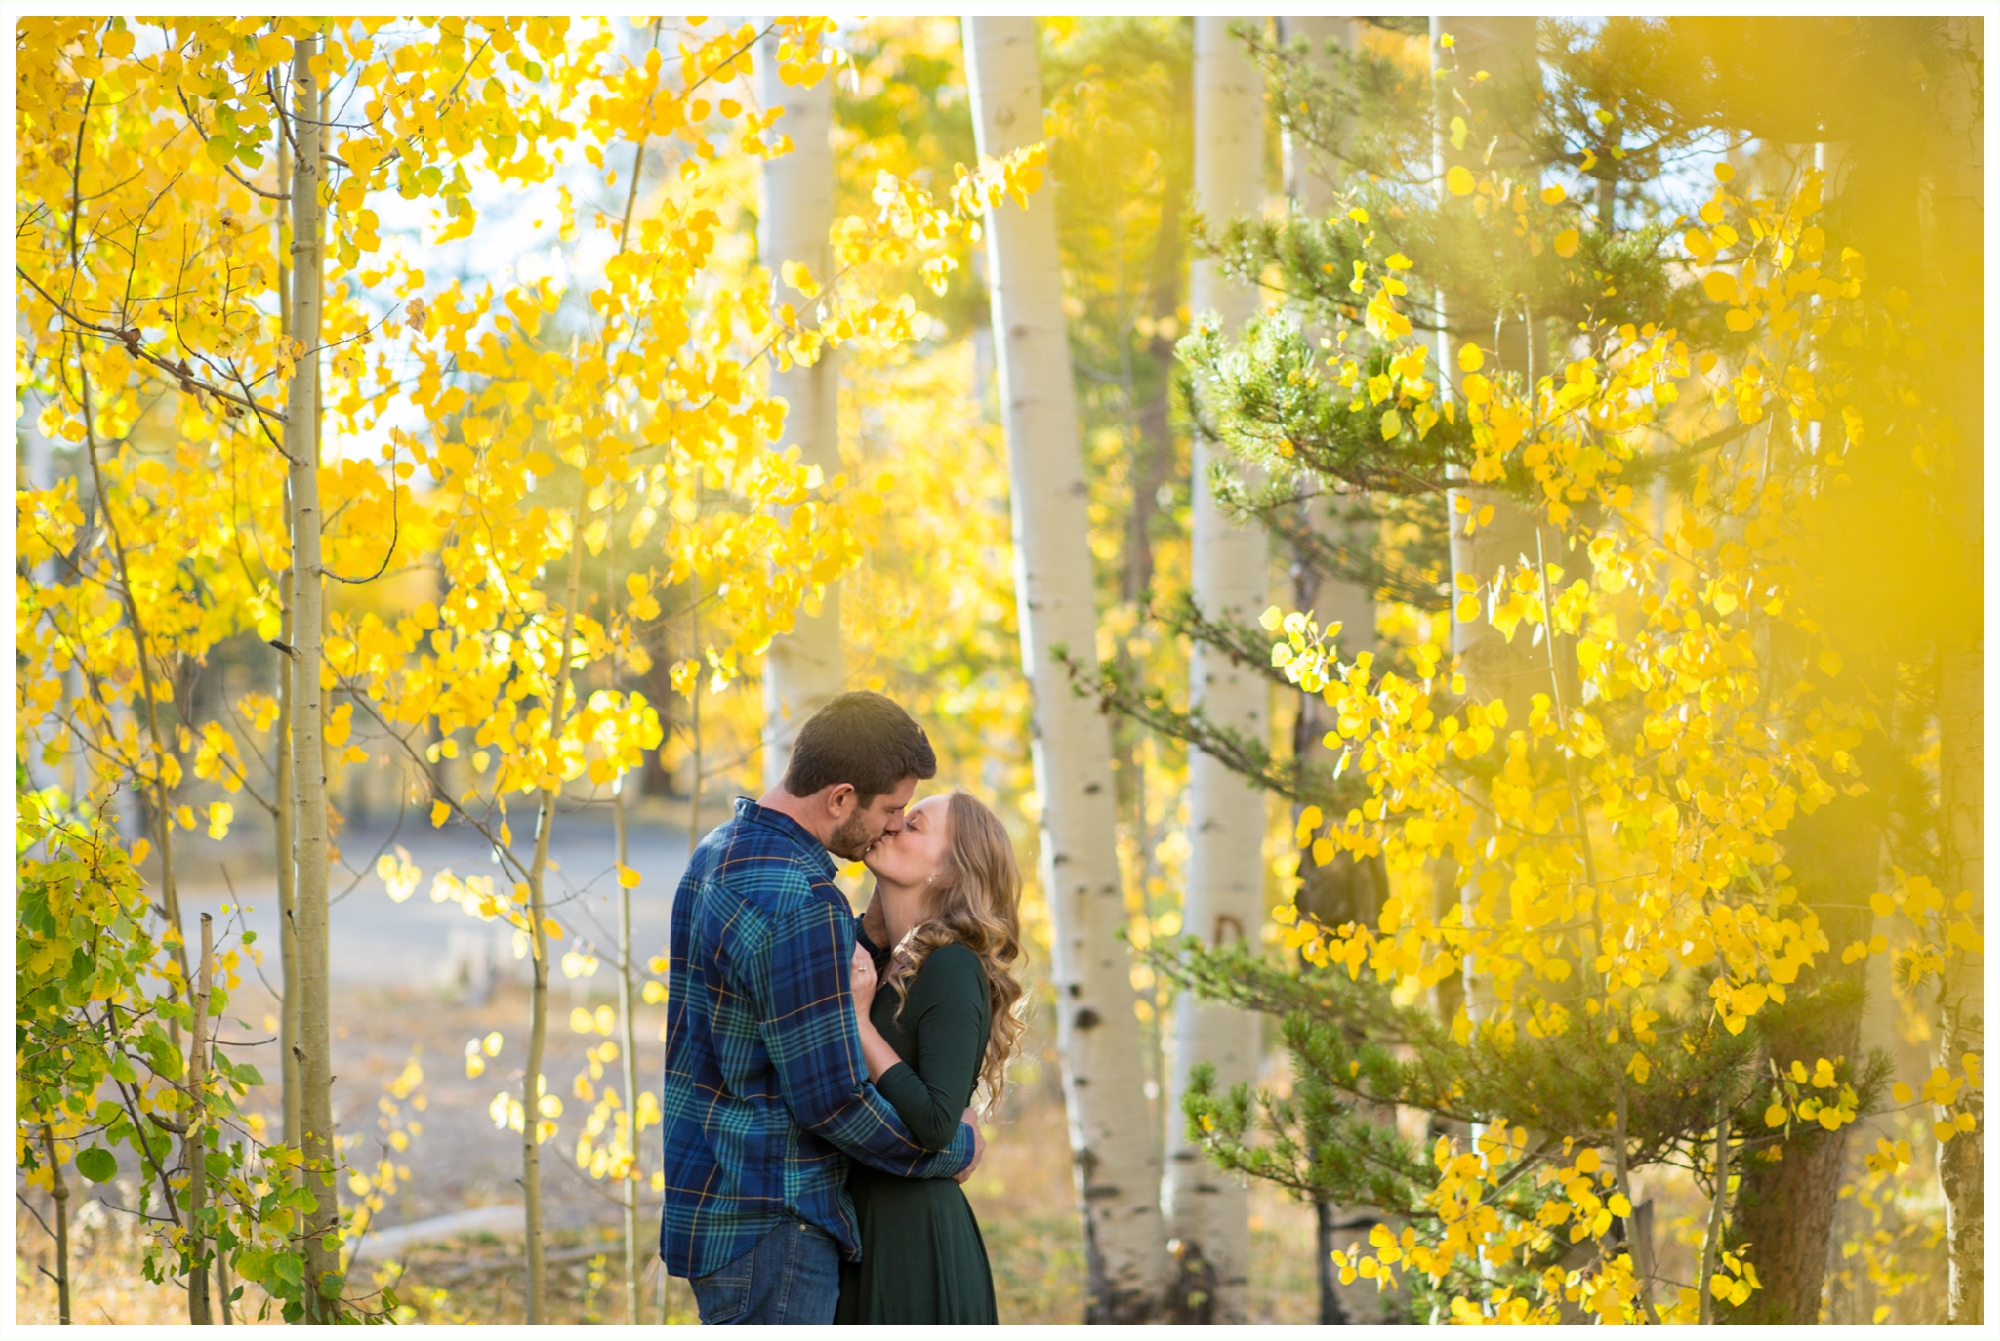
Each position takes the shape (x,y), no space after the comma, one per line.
(767,1096)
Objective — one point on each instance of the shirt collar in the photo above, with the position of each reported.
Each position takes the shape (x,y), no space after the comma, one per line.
(750,812)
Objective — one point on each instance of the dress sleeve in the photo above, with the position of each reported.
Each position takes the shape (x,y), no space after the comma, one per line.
(806,1021)
(947,1014)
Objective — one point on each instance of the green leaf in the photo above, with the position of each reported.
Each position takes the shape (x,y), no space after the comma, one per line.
(97,1164)
(220,150)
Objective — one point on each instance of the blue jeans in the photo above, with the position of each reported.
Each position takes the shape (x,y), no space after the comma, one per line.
(791,1275)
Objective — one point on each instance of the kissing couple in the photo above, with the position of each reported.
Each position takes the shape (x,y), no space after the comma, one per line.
(821,1069)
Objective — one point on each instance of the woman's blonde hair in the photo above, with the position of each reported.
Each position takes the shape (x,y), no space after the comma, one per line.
(976,902)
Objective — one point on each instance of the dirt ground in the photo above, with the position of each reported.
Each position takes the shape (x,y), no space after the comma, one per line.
(1022,1193)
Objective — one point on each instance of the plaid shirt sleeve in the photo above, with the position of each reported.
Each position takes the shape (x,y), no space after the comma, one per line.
(807,1024)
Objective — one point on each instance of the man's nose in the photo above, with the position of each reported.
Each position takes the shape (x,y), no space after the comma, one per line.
(895,824)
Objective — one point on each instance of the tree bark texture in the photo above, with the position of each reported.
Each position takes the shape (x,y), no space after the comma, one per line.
(284,820)
(322,1253)
(1789,1191)
(59,1190)
(1116,1153)
(803,668)
(1208,1211)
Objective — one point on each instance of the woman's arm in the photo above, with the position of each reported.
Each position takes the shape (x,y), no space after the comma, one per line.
(948,1012)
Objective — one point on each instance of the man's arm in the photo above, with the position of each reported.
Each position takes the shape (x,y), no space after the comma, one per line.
(806,1020)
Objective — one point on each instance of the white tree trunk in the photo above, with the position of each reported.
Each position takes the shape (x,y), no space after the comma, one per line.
(1208,1210)
(1310,183)
(803,668)
(1494,668)
(315,1033)
(1114,1146)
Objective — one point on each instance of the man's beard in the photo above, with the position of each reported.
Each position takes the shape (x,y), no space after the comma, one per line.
(851,840)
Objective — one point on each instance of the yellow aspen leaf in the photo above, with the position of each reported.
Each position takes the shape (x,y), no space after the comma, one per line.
(1775,1115)
(1720,286)
(1467,609)
(1392,424)
(1566,242)
(1943,1131)
(1471,358)
(1459,182)
(628,877)
(1323,851)
(440,812)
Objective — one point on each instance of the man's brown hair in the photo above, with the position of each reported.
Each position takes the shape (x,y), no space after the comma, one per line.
(862,739)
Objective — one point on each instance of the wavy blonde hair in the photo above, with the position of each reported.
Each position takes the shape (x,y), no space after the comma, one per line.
(976,902)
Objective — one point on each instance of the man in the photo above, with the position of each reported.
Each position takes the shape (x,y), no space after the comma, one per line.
(767,1095)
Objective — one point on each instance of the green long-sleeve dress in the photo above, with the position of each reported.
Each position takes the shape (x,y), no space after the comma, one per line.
(922,1257)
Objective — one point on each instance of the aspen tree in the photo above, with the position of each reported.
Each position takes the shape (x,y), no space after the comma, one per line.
(803,668)
(1492,535)
(322,1276)
(285,817)
(1114,1147)
(1208,1211)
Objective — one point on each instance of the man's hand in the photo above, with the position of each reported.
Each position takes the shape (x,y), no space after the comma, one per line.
(971,1119)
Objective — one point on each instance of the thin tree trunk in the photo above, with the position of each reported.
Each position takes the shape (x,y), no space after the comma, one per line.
(1958,208)
(288,931)
(322,1252)
(194,1141)
(538,1020)
(1208,1211)
(1718,1211)
(59,1189)
(629,1192)
(629,1186)
(1116,1153)
(694,708)
(803,668)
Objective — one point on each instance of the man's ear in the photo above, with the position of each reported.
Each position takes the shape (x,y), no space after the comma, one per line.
(840,800)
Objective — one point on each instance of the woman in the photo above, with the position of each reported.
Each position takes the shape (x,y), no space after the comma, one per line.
(942,1027)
